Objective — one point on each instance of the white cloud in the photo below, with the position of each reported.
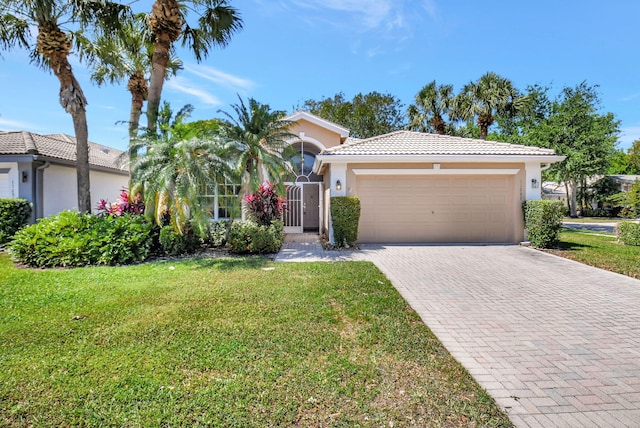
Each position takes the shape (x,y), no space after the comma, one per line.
(431,8)
(631,97)
(628,135)
(374,13)
(186,87)
(226,80)
(9,124)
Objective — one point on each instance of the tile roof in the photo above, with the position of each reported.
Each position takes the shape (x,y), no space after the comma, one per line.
(418,143)
(58,146)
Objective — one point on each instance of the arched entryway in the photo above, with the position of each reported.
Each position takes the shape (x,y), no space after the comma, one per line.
(304,196)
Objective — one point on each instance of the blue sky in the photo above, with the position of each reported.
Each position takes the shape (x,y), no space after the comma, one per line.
(293,50)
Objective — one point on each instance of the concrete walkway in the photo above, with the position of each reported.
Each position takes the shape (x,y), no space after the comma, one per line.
(555,342)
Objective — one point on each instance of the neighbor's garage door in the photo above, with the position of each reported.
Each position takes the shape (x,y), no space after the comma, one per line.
(436,209)
(4,185)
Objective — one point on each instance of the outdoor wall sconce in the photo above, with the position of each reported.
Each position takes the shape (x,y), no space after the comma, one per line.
(338,185)
(534,183)
(25,176)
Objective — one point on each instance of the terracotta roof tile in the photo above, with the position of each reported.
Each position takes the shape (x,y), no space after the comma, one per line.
(417,143)
(58,146)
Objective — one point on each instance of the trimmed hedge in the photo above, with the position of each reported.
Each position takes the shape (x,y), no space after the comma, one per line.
(14,213)
(249,237)
(628,233)
(71,239)
(345,215)
(543,221)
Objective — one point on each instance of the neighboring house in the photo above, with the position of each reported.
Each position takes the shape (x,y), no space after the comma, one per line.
(42,170)
(413,187)
(626,181)
(554,191)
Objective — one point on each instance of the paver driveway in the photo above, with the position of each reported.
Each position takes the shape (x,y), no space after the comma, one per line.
(555,342)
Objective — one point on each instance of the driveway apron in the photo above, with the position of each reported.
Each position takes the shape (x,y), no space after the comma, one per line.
(555,342)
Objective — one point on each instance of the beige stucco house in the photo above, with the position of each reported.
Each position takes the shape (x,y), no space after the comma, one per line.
(413,187)
(42,170)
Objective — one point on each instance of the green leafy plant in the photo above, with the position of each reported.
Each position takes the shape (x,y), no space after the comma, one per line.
(250,237)
(14,213)
(174,243)
(71,239)
(345,215)
(628,232)
(543,221)
(217,234)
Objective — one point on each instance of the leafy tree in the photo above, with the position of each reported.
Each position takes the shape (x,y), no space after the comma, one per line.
(619,163)
(126,55)
(483,100)
(432,109)
(261,140)
(634,158)
(367,115)
(630,201)
(177,168)
(53,44)
(216,23)
(574,128)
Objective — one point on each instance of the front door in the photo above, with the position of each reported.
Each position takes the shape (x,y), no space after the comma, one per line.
(303,208)
(311,207)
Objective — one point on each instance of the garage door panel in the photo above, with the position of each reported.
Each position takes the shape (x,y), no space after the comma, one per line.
(436,209)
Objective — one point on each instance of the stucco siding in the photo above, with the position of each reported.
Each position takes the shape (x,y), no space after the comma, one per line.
(325,136)
(60,188)
(8,180)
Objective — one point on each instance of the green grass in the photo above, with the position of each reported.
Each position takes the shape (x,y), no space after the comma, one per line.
(600,250)
(593,220)
(224,342)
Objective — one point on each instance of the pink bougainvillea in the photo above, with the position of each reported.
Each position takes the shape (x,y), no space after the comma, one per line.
(265,205)
(124,205)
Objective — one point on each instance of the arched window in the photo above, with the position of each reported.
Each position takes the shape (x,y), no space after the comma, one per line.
(303,162)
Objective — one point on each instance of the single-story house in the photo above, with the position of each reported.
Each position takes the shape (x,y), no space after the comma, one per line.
(554,191)
(413,187)
(42,170)
(626,181)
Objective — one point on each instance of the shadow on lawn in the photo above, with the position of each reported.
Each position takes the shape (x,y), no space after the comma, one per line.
(231,263)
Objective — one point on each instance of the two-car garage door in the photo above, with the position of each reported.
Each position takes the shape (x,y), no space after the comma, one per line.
(437,208)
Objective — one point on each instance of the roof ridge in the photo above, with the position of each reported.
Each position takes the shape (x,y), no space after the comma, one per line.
(29,143)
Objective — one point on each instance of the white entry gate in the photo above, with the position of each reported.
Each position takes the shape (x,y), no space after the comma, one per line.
(304,202)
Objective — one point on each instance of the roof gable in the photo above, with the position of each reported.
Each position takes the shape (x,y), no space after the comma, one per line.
(58,146)
(418,143)
(316,120)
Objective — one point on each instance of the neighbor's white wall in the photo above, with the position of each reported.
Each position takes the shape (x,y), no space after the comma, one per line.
(11,189)
(60,188)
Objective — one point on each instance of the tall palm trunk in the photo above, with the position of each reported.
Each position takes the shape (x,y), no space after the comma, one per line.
(54,45)
(166,24)
(139,90)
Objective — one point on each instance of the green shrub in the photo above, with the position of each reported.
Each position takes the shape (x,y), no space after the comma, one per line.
(249,237)
(628,233)
(14,213)
(217,233)
(71,239)
(543,221)
(345,215)
(175,244)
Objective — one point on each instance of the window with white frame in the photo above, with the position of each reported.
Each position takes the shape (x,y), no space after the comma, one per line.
(222,198)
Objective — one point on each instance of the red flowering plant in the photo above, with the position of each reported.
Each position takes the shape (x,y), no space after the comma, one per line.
(124,205)
(265,205)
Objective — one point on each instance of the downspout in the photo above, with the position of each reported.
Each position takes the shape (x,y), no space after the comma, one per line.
(39,208)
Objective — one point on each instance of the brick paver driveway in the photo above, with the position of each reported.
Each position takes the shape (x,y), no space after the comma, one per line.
(555,342)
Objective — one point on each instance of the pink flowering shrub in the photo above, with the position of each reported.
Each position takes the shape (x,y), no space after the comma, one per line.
(124,205)
(265,205)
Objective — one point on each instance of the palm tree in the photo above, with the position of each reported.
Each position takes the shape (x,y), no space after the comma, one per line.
(177,168)
(51,51)
(217,22)
(262,144)
(433,105)
(126,56)
(491,95)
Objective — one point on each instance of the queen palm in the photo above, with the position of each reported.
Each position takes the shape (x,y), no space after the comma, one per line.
(216,23)
(432,106)
(51,51)
(491,95)
(262,148)
(177,169)
(126,56)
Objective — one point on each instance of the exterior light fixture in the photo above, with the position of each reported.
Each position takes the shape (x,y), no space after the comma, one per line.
(338,185)
(534,183)
(25,176)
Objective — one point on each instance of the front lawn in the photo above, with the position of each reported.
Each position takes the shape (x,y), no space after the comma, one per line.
(224,342)
(599,250)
